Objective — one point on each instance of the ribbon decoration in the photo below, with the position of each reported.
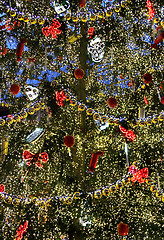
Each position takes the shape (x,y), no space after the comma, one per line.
(60,97)
(36,159)
(128,133)
(21,230)
(139,175)
(94,160)
(53,29)
(151,9)
(20,48)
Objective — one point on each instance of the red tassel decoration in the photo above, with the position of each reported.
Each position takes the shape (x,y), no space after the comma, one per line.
(20,48)
(94,160)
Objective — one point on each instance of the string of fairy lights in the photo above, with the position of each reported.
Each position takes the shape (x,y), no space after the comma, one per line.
(110,119)
(33,107)
(107,12)
(97,194)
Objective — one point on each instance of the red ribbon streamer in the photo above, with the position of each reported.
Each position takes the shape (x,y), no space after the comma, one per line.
(21,230)
(94,160)
(20,48)
(128,133)
(36,159)
(139,175)
(60,97)
(53,29)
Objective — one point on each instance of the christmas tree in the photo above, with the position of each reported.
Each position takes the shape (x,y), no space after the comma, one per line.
(81,119)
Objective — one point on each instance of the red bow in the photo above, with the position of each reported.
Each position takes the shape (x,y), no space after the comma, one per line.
(2,188)
(91,32)
(139,175)
(22,229)
(36,159)
(128,133)
(53,29)
(151,9)
(60,97)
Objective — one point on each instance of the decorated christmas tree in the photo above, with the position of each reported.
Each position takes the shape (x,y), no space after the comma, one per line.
(81,119)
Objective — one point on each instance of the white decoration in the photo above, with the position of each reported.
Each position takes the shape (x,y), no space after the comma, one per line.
(59,8)
(31,92)
(96,49)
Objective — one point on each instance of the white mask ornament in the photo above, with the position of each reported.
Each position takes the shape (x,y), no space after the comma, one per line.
(96,49)
(60,8)
(31,92)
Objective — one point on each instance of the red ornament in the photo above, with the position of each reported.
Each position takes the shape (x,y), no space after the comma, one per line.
(112,102)
(91,31)
(147,78)
(82,3)
(162,100)
(69,141)
(79,73)
(2,188)
(14,89)
(122,229)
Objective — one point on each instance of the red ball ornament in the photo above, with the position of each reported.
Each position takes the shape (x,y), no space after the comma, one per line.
(79,73)
(14,89)
(122,229)
(112,102)
(162,100)
(147,78)
(82,3)
(69,140)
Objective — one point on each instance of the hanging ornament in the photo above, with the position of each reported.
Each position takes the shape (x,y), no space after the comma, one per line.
(61,6)
(162,100)
(141,113)
(123,229)
(147,78)
(4,51)
(31,92)
(35,135)
(14,89)
(20,48)
(82,3)
(96,49)
(2,188)
(60,97)
(94,160)
(79,73)
(4,148)
(69,141)
(126,152)
(112,102)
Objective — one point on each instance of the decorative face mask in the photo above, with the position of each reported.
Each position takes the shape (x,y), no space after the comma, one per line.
(31,92)
(61,7)
(96,49)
